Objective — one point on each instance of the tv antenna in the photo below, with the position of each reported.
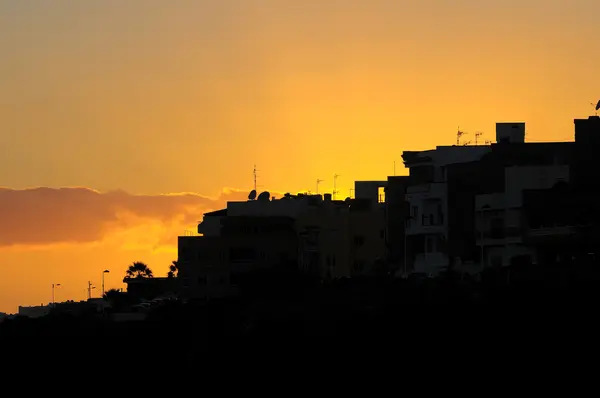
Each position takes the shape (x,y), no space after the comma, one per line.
(459,134)
(318,182)
(89,289)
(335,191)
(477,135)
(255,176)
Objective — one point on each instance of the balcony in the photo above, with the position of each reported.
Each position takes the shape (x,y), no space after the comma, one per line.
(500,236)
(426,191)
(552,231)
(425,224)
(431,263)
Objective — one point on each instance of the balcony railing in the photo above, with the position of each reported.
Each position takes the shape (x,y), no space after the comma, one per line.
(552,231)
(501,233)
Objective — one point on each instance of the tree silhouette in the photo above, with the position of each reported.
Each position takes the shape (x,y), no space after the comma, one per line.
(112,293)
(139,270)
(173,269)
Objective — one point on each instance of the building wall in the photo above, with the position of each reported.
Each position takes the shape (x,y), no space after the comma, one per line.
(397,211)
(210,226)
(427,230)
(34,311)
(499,216)
(346,238)
(369,190)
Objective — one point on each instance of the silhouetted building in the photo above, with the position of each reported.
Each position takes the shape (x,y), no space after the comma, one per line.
(149,288)
(341,239)
(427,194)
(397,210)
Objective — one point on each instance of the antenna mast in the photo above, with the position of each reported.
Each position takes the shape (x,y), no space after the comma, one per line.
(458,135)
(254,175)
(477,135)
(595,107)
(335,177)
(318,182)
(89,289)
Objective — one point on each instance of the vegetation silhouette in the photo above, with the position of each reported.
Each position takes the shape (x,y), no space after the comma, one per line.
(139,270)
(173,269)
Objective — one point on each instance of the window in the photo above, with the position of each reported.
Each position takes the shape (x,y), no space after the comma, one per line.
(381,194)
(496,261)
(497,228)
(359,240)
(415,212)
(429,244)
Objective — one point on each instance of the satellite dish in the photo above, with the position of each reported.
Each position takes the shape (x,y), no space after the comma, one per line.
(264,196)
(252,195)
(348,200)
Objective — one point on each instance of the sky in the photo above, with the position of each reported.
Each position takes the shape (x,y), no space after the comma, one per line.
(122,121)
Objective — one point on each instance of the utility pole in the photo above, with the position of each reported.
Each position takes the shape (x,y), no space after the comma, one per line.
(318,182)
(254,175)
(89,289)
(54,285)
(335,177)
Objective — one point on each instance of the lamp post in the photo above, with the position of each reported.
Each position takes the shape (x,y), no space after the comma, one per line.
(54,285)
(104,272)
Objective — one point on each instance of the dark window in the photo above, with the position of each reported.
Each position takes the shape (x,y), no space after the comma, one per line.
(359,240)
(242,254)
(497,228)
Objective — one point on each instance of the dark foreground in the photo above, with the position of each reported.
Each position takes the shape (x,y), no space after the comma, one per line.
(373,315)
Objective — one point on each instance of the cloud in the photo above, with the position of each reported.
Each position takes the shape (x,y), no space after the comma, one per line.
(49,216)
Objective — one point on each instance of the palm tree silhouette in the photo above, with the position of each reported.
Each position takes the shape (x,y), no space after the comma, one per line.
(139,270)
(173,269)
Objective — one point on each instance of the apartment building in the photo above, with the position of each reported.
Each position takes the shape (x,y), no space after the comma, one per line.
(426,229)
(341,239)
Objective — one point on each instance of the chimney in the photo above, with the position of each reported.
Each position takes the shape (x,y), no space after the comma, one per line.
(327,197)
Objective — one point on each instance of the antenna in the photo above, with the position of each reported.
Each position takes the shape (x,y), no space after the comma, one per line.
(596,107)
(254,175)
(335,191)
(458,135)
(477,135)
(351,192)
(318,182)
(89,289)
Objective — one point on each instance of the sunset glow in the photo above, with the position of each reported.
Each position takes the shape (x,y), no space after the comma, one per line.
(137,102)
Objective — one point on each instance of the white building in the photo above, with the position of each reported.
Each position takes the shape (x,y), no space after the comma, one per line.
(427,195)
(428,199)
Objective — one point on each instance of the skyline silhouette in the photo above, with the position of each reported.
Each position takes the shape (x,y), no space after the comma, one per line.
(169,99)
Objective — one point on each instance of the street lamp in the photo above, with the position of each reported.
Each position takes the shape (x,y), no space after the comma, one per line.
(54,285)
(104,272)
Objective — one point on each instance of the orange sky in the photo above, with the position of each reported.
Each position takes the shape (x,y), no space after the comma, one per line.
(155,97)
